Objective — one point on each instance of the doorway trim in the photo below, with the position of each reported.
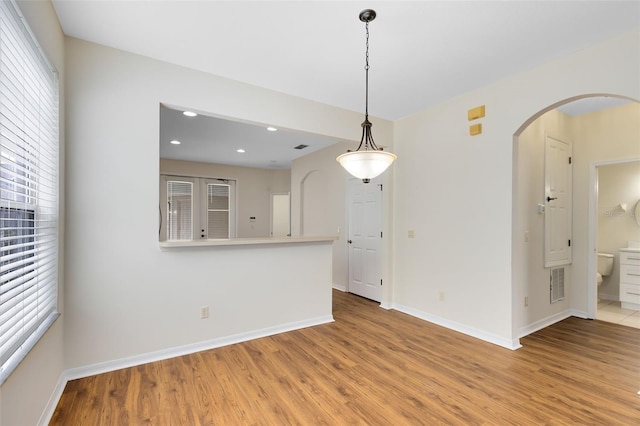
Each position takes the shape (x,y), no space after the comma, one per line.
(592,243)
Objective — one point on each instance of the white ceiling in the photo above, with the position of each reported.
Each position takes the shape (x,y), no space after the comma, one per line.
(216,140)
(421,52)
(592,104)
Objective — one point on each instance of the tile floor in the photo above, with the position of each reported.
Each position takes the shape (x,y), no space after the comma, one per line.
(611,311)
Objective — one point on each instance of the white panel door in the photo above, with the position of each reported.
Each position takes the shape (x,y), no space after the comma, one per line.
(365,238)
(280,215)
(557,219)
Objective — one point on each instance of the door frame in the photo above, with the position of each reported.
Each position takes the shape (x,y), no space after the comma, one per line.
(592,243)
(271,215)
(382,249)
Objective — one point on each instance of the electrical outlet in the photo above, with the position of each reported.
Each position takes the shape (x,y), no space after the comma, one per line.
(526,236)
(411,233)
(441,295)
(204,312)
(526,301)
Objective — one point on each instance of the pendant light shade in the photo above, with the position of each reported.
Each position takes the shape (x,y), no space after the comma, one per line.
(368,161)
(366,165)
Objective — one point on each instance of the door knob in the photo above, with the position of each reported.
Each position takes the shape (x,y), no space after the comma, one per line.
(551,198)
(349,241)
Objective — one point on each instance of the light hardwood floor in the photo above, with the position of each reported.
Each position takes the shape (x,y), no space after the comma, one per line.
(377,367)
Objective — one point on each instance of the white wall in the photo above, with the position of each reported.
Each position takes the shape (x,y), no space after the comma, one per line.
(455,190)
(318,194)
(253,190)
(124,296)
(27,392)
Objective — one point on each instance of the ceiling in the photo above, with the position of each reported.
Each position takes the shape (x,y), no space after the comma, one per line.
(592,104)
(421,52)
(216,140)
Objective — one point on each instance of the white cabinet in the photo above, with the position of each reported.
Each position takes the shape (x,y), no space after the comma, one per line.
(630,278)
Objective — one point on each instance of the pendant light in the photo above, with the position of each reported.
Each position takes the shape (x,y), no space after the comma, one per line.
(368,161)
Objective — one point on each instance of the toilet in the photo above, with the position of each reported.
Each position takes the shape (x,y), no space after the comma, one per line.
(605,266)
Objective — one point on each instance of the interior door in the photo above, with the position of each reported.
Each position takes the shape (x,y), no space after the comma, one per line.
(365,238)
(557,218)
(280,215)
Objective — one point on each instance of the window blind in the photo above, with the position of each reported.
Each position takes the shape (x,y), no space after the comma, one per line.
(28,190)
(218,211)
(180,208)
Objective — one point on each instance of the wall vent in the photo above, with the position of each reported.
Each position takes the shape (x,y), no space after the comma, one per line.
(556,286)
(301,146)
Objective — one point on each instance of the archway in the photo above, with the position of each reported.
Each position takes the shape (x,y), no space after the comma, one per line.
(312,209)
(531,306)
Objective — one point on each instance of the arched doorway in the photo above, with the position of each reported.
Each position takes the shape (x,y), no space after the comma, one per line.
(312,209)
(589,121)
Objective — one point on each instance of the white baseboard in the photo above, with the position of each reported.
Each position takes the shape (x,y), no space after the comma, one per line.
(50,408)
(579,314)
(461,328)
(340,287)
(383,305)
(386,305)
(104,367)
(612,297)
(546,322)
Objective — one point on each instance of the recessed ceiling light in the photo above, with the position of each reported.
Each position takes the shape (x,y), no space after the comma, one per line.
(175,142)
(272,129)
(240,150)
(190,114)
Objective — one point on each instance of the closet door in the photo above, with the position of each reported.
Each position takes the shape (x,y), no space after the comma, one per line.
(557,218)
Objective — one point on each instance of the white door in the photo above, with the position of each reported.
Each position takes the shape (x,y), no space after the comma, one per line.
(219,219)
(365,238)
(280,215)
(557,218)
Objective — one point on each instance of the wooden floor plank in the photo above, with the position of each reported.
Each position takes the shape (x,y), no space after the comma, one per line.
(373,366)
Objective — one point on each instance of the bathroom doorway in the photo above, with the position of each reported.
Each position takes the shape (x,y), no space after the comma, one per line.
(615,191)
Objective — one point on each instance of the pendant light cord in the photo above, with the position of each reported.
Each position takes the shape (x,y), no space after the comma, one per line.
(366,141)
(366,69)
